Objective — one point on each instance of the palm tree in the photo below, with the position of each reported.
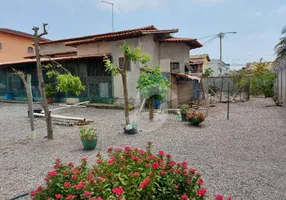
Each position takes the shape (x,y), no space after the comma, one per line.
(280,48)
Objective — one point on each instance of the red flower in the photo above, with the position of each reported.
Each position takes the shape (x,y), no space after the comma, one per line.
(136,174)
(109,149)
(110,161)
(58,196)
(229,198)
(185,197)
(58,160)
(98,198)
(67,184)
(192,170)
(79,186)
(144,183)
(219,197)
(73,177)
(53,173)
(155,165)
(127,148)
(84,159)
(118,190)
(188,181)
(184,163)
(33,193)
(200,181)
(141,151)
(176,186)
(161,153)
(56,165)
(135,158)
(178,171)
(202,192)
(69,197)
(163,172)
(86,193)
(70,164)
(39,188)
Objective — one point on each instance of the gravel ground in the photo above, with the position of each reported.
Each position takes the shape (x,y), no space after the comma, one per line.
(244,157)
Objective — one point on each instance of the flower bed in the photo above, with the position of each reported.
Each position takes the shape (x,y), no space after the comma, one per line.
(128,174)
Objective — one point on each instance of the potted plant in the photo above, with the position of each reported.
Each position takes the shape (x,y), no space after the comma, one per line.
(195,118)
(50,91)
(184,110)
(88,138)
(130,129)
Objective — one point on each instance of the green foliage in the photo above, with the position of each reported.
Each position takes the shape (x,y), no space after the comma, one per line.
(50,90)
(262,81)
(134,55)
(69,83)
(239,78)
(280,48)
(184,108)
(152,83)
(127,174)
(87,133)
(208,72)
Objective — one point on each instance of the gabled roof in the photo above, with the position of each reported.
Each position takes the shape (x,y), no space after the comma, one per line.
(192,42)
(53,54)
(19,33)
(202,56)
(53,59)
(67,40)
(121,35)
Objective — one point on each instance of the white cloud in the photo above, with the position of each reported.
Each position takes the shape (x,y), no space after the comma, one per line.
(281,10)
(208,1)
(125,6)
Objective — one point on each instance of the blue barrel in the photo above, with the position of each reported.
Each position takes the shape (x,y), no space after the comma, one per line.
(9,96)
(157,103)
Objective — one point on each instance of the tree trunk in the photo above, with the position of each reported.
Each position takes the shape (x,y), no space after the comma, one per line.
(151,109)
(125,93)
(42,88)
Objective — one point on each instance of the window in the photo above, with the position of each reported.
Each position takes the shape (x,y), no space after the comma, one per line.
(121,63)
(30,50)
(175,67)
(1,47)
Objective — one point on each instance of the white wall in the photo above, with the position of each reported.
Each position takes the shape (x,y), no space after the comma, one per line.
(55,47)
(176,52)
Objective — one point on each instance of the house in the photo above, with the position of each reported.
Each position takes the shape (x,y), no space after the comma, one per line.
(83,56)
(198,63)
(14,45)
(219,67)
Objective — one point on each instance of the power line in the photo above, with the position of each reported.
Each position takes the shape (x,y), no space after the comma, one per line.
(207,37)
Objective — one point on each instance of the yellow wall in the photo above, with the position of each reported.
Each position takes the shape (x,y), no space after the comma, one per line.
(14,47)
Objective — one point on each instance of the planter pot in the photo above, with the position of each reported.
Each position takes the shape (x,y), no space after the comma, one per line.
(195,122)
(9,96)
(35,111)
(50,100)
(72,101)
(184,117)
(131,131)
(89,144)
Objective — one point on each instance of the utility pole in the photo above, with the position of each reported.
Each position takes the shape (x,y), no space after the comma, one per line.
(221,36)
(41,81)
(112,4)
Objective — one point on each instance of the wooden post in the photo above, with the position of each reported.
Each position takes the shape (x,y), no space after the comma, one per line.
(31,106)
(41,82)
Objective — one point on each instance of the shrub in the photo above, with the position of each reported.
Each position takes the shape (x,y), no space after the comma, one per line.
(128,173)
(195,118)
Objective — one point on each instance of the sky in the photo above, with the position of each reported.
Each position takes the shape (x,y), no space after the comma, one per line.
(258,23)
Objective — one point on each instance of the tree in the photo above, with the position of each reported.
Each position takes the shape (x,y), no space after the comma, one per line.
(133,55)
(263,79)
(208,72)
(41,82)
(280,48)
(153,85)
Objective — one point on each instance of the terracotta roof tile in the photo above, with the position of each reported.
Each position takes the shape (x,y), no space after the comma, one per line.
(20,33)
(52,54)
(54,59)
(193,43)
(99,35)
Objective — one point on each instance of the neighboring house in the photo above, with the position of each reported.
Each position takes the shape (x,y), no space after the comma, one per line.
(198,64)
(219,68)
(251,66)
(83,56)
(14,45)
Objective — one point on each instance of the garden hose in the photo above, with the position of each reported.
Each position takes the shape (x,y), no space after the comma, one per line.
(22,195)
